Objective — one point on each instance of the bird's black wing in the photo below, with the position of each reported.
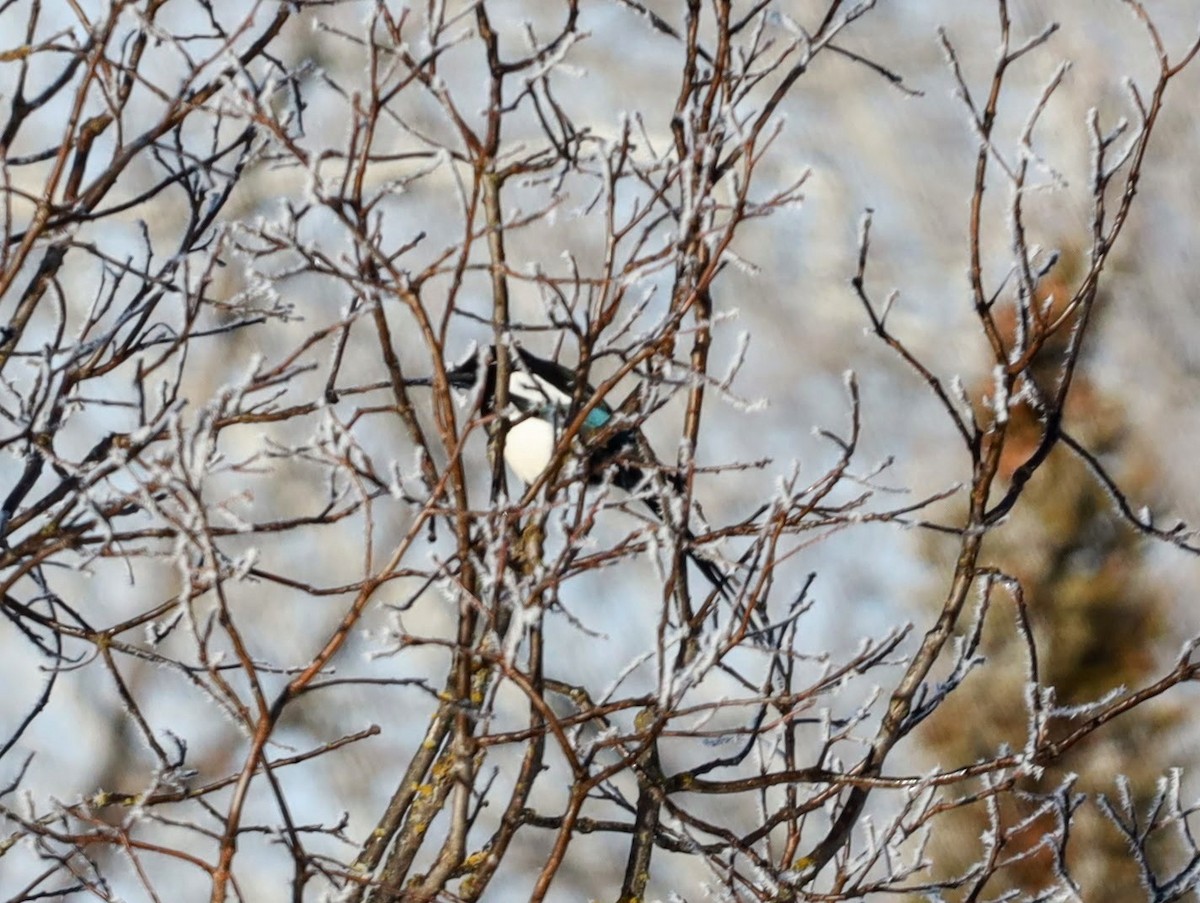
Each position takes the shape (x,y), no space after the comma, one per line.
(619,456)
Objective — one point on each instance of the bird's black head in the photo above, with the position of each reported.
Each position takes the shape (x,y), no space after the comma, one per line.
(543,383)
(464,375)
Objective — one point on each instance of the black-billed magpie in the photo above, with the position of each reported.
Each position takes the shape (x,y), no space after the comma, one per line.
(540,397)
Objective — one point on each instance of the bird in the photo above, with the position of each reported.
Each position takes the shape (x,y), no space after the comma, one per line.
(541,395)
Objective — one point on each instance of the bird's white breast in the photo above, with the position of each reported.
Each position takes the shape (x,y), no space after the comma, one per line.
(528,447)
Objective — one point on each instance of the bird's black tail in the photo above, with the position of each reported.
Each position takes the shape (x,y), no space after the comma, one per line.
(762,632)
(720,581)
(619,457)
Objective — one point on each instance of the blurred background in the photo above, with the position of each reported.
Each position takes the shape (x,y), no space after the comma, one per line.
(1112,609)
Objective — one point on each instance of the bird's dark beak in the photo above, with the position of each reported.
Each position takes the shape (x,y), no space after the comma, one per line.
(465,375)
(461,376)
